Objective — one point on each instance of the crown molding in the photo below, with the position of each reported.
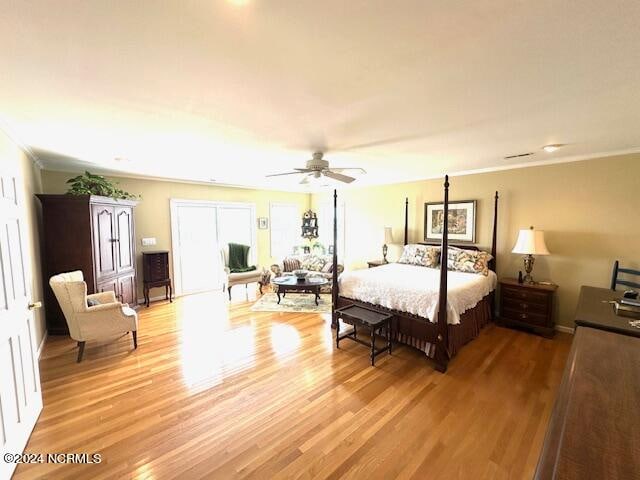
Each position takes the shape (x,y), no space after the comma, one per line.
(153,178)
(13,137)
(542,163)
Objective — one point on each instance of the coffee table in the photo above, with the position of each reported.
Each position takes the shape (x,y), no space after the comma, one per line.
(291,283)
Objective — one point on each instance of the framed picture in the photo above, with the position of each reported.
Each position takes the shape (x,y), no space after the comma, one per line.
(263,223)
(462,221)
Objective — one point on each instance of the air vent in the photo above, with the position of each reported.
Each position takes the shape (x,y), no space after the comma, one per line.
(518,156)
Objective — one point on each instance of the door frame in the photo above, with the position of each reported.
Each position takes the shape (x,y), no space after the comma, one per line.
(175,203)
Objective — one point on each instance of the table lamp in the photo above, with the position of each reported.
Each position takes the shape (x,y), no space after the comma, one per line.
(530,242)
(388,239)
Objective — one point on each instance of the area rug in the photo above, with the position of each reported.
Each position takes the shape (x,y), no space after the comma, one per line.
(293,302)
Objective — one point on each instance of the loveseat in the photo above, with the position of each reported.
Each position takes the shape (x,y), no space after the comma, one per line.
(316,265)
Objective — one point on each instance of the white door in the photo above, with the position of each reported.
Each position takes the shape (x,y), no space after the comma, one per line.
(20,395)
(198,261)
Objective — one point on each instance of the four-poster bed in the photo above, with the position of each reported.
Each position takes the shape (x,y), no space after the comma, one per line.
(440,339)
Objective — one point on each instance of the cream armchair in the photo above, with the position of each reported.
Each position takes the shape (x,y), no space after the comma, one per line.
(260,276)
(108,317)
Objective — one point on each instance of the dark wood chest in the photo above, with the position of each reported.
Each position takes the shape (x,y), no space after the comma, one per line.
(93,234)
(529,306)
(155,266)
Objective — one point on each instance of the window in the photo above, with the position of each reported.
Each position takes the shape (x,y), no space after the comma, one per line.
(285,229)
(325,226)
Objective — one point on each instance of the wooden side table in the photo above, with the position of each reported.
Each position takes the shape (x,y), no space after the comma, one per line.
(376,263)
(528,306)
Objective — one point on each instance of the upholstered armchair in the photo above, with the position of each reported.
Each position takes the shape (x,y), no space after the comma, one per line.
(259,275)
(106,316)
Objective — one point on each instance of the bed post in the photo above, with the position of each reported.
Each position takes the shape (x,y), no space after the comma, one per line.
(441,355)
(406,220)
(493,264)
(334,266)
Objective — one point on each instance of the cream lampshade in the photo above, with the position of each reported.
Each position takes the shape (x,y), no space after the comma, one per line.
(530,242)
(388,239)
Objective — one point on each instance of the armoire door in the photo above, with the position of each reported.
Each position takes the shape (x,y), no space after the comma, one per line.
(127,289)
(104,240)
(124,245)
(110,285)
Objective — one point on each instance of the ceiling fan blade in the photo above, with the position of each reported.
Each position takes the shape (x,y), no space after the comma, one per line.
(340,170)
(303,170)
(305,180)
(338,176)
(281,174)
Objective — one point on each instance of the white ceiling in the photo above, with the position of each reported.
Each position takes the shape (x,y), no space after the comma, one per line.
(234,90)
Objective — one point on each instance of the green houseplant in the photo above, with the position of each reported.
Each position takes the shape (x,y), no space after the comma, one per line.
(90,184)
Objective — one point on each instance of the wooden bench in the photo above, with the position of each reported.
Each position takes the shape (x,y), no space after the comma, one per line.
(356,315)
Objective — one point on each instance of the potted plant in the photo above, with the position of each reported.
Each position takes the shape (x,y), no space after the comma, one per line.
(90,184)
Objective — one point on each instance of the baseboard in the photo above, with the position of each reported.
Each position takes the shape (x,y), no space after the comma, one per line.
(142,301)
(44,339)
(563,329)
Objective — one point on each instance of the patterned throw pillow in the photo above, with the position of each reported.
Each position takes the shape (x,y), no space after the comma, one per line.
(469,261)
(92,302)
(313,263)
(328,267)
(423,255)
(291,264)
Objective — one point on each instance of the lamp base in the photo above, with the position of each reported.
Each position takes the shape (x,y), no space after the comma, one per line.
(384,253)
(528,268)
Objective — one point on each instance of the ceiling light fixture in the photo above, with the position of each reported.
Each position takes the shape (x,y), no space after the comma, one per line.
(553,147)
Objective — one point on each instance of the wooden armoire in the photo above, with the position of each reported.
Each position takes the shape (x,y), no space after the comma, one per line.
(93,234)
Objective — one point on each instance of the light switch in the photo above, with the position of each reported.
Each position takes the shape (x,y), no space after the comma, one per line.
(147,242)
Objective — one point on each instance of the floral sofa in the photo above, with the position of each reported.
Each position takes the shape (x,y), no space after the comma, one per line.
(317,265)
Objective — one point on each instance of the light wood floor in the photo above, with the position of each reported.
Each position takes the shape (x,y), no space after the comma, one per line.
(218,391)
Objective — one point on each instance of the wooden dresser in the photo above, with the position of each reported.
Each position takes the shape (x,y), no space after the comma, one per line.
(527,306)
(594,431)
(155,270)
(93,234)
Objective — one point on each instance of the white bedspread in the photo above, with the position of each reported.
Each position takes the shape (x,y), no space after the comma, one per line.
(414,289)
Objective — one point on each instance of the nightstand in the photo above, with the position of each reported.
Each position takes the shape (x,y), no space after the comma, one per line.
(529,306)
(376,263)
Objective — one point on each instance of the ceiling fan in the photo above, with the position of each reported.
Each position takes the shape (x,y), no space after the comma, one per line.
(317,167)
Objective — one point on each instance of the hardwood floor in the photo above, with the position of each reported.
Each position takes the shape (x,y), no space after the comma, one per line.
(218,391)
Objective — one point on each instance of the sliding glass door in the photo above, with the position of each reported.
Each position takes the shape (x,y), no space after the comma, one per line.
(236,224)
(199,265)
(199,230)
